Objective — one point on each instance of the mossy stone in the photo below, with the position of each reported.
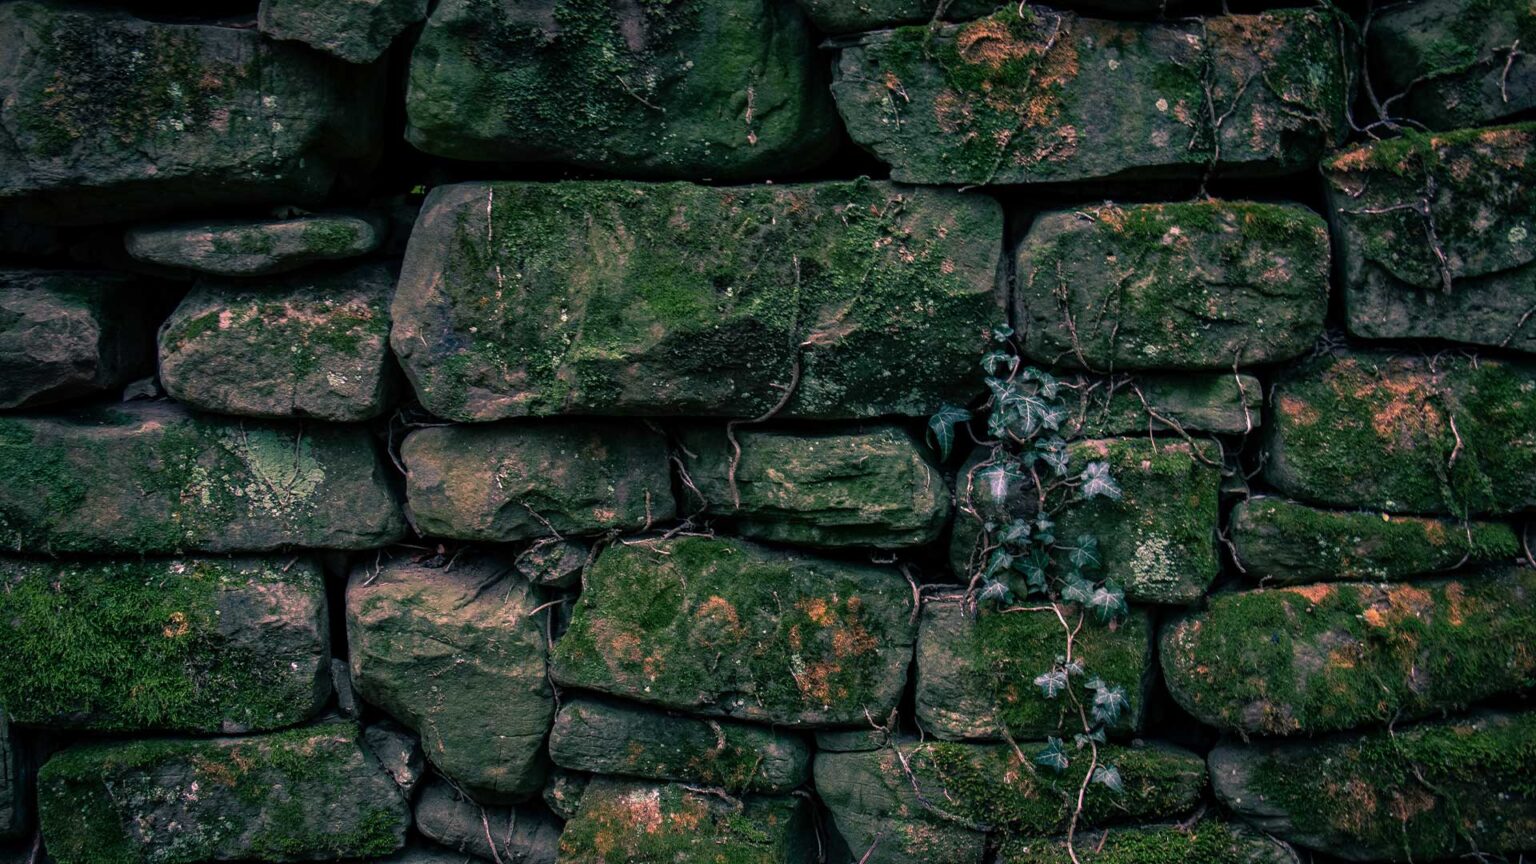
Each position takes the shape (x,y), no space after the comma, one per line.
(1032,95)
(831,487)
(68,334)
(15,785)
(517,834)
(1406,434)
(862,298)
(607,737)
(716,89)
(1433,234)
(357,31)
(254,248)
(454,654)
(725,628)
(149,477)
(517,481)
(188,645)
(1436,791)
(976,669)
(109,117)
(1449,64)
(1321,658)
(1209,841)
(1147,404)
(645,823)
(304,794)
(1280,541)
(304,346)
(1204,285)
(840,16)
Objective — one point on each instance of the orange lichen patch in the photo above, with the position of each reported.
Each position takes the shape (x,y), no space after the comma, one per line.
(216,772)
(717,622)
(816,682)
(1408,802)
(1313,593)
(1358,159)
(991,44)
(1298,411)
(1434,532)
(816,609)
(1455,596)
(1358,800)
(1407,601)
(178,626)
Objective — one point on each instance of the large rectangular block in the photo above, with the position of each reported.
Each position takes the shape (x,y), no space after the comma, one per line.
(1453,63)
(67,334)
(1032,95)
(188,645)
(107,116)
(707,89)
(725,628)
(1433,232)
(149,477)
(845,299)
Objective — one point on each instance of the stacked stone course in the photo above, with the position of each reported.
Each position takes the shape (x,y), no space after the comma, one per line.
(558,431)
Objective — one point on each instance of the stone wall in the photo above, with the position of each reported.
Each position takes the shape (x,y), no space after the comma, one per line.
(738,431)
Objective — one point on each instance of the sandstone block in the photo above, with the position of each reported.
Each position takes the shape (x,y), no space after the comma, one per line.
(1453,63)
(521,834)
(254,248)
(67,334)
(357,31)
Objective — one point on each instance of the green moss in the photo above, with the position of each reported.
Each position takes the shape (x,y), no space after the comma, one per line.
(647,824)
(130,646)
(243,241)
(329,238)
(1207,842)
(45,469)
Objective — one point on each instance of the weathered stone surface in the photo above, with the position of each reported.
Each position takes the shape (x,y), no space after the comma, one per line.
(1158,541)
(618,298)
(14,785)
(304,794)
(867,486)
(399,752)
(106,116)
(1032,95)
(1455,63)
(357,31)
(453,653)
(1432,231)
(1220,404)
(521,834)
(562,792)
(1281,541)
(976,670)
(1406,434)
(148,477)
(644,823)
(423,853)
(189,645)
(67,334)
(258,248)
(519,481)
(1437,791)
(315,346)
(1320,658)
(1204,285)
(1208,841)
(719,90)
(839,16)
(968,790)
(554,562)
(610,738)
(722,627)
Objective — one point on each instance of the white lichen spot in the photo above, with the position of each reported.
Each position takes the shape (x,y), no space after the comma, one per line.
(280,474)
(1518,234)
(1162,105)
(1152,564)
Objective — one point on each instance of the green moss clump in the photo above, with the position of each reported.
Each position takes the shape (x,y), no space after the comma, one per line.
(328,238)
(663,824)
(1207,842)
(243,241)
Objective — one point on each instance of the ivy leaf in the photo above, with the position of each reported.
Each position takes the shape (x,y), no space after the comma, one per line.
(1097,736)
(1085,555)
(1097,482)
(1053,756)
(1077,590)
(1045,530)
(1049,386)
(1053,452)
(1016,534)
(1108,602)
(1034,567)
(1073,668)
(993,591)
(998,564)
(1002,332)
(1108,702)
(942,427)
(1051,683)
(1109,777)
(997,361)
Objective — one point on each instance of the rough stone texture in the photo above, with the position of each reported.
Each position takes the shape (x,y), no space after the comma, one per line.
(189,645)
(1281,541)
(840,16)
(563,790)
(1052,96)
(1208,841)
(1452,60)
(453,653)
(399,752)
(831,487)
(1406,434)
(1398,205)
(708,90)
(675,299)
(976,788)
(1220,404)
(522,835)
(67,334)
(357,31)
(1320,658)
(1205,285)
(106,116)
(423,854)
(554,562)
(722,627)
(1158,541)
(15,781)
(304,794)
(976,670)
(254,248)
(315,346)
(1438,791)
(644,823)
(148,477)
(610,738)
(519,481)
